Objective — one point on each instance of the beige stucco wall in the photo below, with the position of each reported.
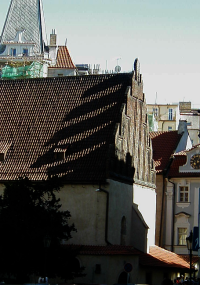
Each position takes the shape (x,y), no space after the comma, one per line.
(111,268)
(120,204)
(164,125)
(88,213)
(88,210)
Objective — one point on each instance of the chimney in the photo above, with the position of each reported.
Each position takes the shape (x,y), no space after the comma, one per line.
(53,47)
(53,39)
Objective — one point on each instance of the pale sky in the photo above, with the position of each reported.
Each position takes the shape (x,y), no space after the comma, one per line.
(164,35)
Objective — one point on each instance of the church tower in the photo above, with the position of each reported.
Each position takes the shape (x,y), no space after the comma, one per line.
(26,15)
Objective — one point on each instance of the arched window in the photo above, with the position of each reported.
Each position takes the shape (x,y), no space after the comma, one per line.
(123,231)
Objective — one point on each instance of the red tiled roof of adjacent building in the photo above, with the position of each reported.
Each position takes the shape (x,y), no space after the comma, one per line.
(77,114)
(159,257)
(186,257)
(164,145)
(179,159)
(63,59)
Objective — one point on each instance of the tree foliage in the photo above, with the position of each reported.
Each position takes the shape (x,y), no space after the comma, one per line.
(30,212)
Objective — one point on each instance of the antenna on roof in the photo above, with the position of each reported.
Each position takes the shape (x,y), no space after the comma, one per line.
(66,42)
(156,98)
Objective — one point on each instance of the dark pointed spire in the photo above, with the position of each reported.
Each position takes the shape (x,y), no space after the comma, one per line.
(27,15)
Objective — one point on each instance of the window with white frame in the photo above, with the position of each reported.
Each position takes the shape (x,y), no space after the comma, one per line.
(170,114)
(155,111)
(183,194)
(182,234)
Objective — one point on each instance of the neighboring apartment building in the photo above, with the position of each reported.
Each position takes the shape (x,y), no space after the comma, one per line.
(182,203)
(178,190)
(192,116)
(165,144)
(166,116)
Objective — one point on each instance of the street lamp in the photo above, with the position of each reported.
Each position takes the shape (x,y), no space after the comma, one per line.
(189,246)
(47,242)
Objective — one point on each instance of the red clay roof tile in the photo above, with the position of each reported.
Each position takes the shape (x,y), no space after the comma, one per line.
(63,59)
(159,257)
(79,113)
(164,144)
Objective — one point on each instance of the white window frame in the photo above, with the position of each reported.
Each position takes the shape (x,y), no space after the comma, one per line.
(179,203)
(170,114)
(181,222)
(184,235)
(184,190)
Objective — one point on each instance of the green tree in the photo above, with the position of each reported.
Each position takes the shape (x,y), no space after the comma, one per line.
(30,213)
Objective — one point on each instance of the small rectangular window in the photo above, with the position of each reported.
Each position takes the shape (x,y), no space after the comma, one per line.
(169,128)
(25,52)
(13,52)
(182,234)
(183,194)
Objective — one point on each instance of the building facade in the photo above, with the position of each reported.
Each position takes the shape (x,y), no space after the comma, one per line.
(24,51)
(166,116)
(192,116)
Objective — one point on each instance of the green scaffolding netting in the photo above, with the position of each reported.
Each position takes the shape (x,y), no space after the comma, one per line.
(33,70)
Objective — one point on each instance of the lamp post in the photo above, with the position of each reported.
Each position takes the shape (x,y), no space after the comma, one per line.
(47,242)
(189,246)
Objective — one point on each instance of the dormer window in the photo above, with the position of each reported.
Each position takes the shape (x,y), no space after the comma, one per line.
(59,153)
(13,51)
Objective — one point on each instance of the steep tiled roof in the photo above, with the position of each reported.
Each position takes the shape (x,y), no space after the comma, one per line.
(76,114)
(159,257)
(63,59)
(164,144)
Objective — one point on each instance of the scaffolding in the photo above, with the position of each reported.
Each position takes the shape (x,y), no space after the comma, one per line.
(20,70)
